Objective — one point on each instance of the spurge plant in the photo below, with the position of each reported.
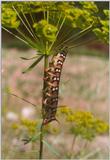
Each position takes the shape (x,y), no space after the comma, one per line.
(53,29)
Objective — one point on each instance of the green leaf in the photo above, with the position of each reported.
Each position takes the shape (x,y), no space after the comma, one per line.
(31,139)
(34,138)
(33,64)
(39,126)
(59,21)
(24,58)
(45,30)
(9,17)
(51,148)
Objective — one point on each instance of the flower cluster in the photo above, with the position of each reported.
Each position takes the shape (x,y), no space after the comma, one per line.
(9,17)
(81,123)
(32,126)
(45,30)
(103,32)
(85,124)
(41,25)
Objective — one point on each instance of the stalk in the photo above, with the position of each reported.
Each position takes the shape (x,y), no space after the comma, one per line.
(41,143)
(72,148)
(43,96)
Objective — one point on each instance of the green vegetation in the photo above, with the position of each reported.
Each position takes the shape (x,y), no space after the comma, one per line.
(54,20)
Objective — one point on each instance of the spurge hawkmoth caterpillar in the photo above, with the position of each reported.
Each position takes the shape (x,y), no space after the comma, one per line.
(52,80)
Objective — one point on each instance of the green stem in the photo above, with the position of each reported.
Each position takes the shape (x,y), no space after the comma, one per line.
(41,143)
(43,96)
(73,144)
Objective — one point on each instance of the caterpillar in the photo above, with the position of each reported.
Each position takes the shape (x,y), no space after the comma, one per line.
(52,79)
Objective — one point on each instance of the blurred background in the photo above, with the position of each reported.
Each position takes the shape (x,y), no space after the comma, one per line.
(83,87)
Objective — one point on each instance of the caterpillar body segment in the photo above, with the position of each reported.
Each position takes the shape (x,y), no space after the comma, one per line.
(52,79)
(46,121)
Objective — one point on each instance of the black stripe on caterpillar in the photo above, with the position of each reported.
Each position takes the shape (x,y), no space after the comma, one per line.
(52,80)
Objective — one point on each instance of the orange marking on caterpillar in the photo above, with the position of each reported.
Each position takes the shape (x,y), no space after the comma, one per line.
(51,84)
(46,121)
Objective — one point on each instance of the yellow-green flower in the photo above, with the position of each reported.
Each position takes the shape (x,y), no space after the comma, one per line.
(15,126)
(86,125)
(65,110)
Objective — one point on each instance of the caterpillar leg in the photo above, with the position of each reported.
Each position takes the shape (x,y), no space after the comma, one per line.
(46,101)
(48,94)
(46,78)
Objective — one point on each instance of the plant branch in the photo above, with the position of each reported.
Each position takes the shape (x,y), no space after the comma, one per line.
(73,144)
(22,99)
(18,37)
(41,142)
(62,23)
(43,97)
(28,29)
(76,36)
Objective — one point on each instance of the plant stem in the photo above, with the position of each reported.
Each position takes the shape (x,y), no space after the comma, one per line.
(41,142)
(83,146)
(43,97)
(73,144)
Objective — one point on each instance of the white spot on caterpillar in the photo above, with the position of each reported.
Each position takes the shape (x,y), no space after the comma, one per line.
(59,62)
(58,70)
(55,99)
(53,89)
(62,55)
(55,78)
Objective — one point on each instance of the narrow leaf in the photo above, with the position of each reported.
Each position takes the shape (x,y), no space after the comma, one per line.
(24,58)
(34,138)
(51,148)
(25,100)
(33,64)
(91,154)
(31,139)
